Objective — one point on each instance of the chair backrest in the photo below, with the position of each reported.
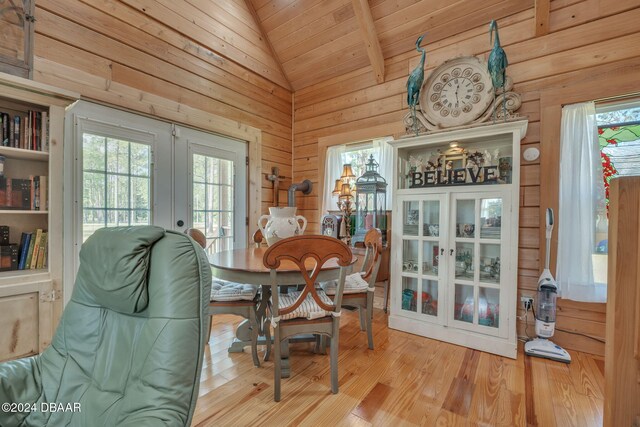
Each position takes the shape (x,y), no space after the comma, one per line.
(372,256)
(198,236)
(303,251)
(130,343)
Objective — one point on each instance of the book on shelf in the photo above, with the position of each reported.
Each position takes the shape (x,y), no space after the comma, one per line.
(8,257)
(4,234)
(4,133)
(36,249)
(32,242)
(42,250)
(24,194)
(29,131)
(25,241)
(31,253)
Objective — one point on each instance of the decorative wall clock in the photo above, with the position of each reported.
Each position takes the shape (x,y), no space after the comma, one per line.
(457,92)
(460,93)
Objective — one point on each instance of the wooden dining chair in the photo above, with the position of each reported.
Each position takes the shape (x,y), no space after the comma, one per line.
(359,287)
(309,311)
(232,298)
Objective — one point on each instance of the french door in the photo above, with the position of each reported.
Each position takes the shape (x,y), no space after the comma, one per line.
(210,190)
(124,169)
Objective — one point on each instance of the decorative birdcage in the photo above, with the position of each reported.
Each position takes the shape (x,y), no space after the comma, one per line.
(371,202)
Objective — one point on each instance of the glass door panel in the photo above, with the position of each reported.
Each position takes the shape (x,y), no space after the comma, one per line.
(465,218)
(116,182)
(410,256)
(431,218)
(490,218)
(490,263)
(431,258)
(212,193)
(464,304)
(410,294)
(411,216)
(489,307)
(464,261)
(429,297)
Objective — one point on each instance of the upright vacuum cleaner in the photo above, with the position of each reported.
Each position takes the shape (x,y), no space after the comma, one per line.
(545,312)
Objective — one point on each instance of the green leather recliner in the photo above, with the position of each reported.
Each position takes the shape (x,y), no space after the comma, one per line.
(130,342)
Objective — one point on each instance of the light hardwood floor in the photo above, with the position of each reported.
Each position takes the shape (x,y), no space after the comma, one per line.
(406,380)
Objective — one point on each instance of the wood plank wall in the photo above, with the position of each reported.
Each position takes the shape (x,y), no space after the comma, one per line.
(180,60)
(586,36)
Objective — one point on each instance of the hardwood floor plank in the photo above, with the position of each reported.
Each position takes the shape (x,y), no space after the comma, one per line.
(372,402)
(406,380)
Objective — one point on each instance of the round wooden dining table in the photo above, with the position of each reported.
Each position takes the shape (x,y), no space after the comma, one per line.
(246,266)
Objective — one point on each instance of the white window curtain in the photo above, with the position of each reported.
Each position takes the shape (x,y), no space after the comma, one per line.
(332,171)
(581,189)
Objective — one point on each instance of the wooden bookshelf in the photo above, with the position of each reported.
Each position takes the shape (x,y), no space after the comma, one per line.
(32,298)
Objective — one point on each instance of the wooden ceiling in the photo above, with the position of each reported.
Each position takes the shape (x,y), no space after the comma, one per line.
(315,40)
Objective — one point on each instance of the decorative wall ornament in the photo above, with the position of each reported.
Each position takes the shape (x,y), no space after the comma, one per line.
(414,86)
(461,93)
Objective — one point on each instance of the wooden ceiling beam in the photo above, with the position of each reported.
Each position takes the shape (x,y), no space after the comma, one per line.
(368,30)
(276,59)
(542,17)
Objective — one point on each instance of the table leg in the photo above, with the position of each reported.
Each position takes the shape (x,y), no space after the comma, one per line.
(242,339)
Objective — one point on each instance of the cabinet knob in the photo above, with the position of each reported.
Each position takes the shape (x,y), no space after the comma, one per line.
(180,223)
(451,252)
(442,251)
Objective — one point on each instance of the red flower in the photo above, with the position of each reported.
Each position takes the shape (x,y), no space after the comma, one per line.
(600,131)
(612,141)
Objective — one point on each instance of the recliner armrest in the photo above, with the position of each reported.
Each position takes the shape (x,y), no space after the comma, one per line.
(19,383)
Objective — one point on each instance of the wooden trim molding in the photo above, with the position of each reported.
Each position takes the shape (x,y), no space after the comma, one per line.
(370,36)
(542,13)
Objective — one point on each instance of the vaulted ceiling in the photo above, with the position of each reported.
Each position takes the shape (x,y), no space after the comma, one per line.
(315,40)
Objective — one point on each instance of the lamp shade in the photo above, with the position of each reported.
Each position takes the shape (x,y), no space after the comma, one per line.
(347,172)
(337,188)
(345,192)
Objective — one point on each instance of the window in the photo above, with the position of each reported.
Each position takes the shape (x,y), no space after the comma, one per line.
(619,143)
(213,201)
(356,154)
(116,183)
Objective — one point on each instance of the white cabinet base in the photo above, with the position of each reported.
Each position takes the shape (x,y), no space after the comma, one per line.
(495,345)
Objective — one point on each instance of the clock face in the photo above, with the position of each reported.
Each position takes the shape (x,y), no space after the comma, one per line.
(457,92)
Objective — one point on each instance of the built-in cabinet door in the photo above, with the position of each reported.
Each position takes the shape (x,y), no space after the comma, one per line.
(477,233)
(421,268)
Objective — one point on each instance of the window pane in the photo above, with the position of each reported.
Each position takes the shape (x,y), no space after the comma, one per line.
(93,190)
(111,197)
(93,150)
(198,168)
(140,193)
(213,201)
(140,160)
(117,156)
(117,191)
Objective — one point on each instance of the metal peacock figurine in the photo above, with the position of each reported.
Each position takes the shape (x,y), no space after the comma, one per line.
(497,66)
(414,83)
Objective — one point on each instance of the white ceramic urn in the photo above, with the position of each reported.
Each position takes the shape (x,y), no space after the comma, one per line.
(281,223)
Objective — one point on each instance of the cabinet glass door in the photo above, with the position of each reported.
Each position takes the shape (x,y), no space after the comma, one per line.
(477,241)
(422,252)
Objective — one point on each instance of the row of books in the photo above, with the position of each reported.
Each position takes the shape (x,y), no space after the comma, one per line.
(24,194)
(33,250)
(29,132)
(31,254)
